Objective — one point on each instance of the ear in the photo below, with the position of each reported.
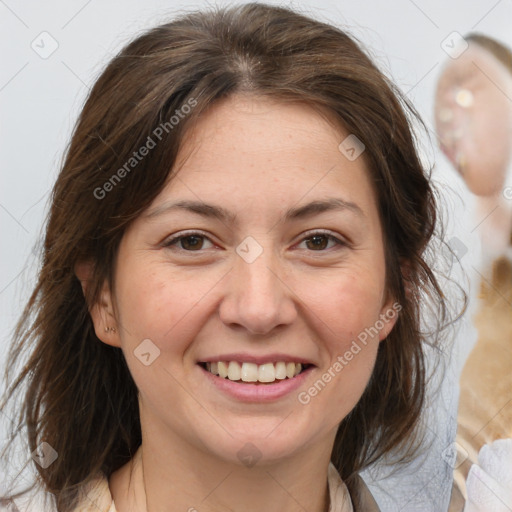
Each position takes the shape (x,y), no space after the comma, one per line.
(391,307)
(388,317)
(102,312)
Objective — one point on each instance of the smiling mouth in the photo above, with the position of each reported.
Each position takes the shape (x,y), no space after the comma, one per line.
(252,373)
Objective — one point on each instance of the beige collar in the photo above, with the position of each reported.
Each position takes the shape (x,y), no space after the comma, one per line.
(96,496)
(361,499)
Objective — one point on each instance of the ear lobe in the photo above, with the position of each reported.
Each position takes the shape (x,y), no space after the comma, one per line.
(388,317)
(105,324)
(390,310)
(102,312)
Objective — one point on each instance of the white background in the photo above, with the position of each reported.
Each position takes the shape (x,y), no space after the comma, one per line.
(40,98)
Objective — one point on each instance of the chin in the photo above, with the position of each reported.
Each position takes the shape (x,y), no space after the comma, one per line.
(262,449)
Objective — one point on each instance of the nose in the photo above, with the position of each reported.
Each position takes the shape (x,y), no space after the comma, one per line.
(257,296)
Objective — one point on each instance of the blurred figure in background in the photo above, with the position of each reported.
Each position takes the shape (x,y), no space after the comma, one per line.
(473,116)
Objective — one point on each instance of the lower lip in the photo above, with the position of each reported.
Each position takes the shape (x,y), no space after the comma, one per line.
(249,392)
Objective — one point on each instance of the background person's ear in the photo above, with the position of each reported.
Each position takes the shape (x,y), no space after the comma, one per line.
(102,311)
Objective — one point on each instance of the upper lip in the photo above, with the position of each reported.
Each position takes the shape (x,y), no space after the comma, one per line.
(250,358)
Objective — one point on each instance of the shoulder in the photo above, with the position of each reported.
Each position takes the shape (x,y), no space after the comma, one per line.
(95,496)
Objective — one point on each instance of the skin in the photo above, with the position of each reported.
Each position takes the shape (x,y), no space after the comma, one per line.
(473,116)
(257,158)
(476,138)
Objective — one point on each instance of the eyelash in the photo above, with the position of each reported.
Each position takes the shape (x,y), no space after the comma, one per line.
(175,240)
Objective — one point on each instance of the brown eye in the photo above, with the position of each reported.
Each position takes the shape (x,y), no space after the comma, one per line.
(190,243)
(320,241)
(317,242)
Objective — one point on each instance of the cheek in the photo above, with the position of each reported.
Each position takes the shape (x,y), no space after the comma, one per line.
(156,304)
(338,387)
(349,322)
(346,318)
(349,301)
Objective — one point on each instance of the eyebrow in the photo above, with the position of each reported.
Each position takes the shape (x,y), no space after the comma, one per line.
(220,213)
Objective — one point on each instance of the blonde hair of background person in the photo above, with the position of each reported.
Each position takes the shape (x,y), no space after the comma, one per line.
(258,110)
(474,122)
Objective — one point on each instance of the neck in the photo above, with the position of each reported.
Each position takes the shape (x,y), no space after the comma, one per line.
(173,473)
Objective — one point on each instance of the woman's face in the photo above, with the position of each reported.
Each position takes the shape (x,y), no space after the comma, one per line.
(473,115)
(280,260)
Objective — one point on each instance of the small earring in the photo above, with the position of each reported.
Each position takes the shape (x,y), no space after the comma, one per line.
(110,329)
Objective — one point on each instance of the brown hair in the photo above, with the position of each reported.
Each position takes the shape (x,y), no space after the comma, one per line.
(80,396)
(499,50)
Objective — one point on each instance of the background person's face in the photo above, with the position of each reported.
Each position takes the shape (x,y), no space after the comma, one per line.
(473,114)
(201,299)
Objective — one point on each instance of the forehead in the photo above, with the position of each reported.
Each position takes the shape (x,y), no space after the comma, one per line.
(247,144)
(249,124)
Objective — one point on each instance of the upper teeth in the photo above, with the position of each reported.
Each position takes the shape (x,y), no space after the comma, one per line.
(251,372)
